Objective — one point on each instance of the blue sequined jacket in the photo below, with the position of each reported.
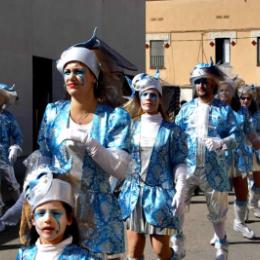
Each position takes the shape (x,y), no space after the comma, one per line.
(9,131)
(168,151)
(222,124)
(70,252)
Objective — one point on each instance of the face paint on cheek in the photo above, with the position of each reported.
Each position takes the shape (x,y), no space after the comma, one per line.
(79,73)
(57,216)
(151,96)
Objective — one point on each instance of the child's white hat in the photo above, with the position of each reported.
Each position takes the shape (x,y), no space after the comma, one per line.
(41,187)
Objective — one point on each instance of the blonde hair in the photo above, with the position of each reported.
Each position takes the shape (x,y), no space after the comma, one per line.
(133,107)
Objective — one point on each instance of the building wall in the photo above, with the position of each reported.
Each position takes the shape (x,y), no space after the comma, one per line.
(193,24)
(45,28)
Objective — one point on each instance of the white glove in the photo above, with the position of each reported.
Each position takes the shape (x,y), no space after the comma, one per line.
(76,135)
(213,144)
(178,202)
(113,161)
(13,153)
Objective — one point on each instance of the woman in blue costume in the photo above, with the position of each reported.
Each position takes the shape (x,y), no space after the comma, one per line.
(239,159)
(10,142)
(152,196)
(246,95)
(54,232)
(88,135)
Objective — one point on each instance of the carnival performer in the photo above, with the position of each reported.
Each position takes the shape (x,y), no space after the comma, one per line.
(10,143)
(152,196)
(240,159)
(88,135)
(246,96)
(211,129)
(54,231)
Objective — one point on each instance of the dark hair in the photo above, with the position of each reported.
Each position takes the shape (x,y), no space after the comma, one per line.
(71,230)
(108,89)
(235,103)
(253,107)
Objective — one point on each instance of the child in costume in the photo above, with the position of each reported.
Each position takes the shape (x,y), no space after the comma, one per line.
(54,232)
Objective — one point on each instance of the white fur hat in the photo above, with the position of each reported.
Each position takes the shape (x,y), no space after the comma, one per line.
(81,54)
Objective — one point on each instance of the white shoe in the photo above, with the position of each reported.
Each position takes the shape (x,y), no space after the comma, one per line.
(221,254)
(2,226)
(257,212)
(213,240)
(178,246)
(222,249)
(242,228)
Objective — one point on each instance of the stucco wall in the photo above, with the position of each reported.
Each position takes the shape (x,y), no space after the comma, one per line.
(45,28)
(191,24)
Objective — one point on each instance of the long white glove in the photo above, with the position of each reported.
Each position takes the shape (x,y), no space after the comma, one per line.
(112,161)
(178,202)
(14,151)
(214,144)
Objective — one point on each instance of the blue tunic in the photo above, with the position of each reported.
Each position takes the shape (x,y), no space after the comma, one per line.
(98,212)
(9,129)
(168,151)
(256,122)
(70,252)
(222,124)
(243,154)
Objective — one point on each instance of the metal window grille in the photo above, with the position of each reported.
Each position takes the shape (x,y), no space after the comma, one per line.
(157,54)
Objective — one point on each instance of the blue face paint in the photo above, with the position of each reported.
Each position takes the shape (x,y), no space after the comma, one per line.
(55,214)
(76,72)
(149,95)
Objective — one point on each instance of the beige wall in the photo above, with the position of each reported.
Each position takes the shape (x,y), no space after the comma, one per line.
(189,21)
(45,28)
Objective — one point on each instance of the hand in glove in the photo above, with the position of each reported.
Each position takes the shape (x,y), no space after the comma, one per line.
(178,204)
(76,135)
(13,153)
(114,162)
(214,144)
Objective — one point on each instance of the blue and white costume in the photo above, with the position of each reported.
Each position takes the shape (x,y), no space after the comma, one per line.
(65,250)
(220,122)
(242,156)
(149,190)
(97,209)
(11,140)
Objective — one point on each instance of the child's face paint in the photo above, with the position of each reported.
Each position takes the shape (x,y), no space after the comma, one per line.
(78,79)
(150,101)
(50,221)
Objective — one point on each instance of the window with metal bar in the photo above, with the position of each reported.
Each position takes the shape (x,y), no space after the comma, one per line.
(222,50)
(157,54)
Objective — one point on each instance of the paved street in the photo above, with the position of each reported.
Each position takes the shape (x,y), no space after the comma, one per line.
(198,233)
(197,229)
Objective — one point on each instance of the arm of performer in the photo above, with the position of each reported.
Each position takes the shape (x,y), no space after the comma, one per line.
(111,160)
(178,202)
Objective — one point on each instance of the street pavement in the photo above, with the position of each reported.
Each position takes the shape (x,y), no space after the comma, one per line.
(197,229)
